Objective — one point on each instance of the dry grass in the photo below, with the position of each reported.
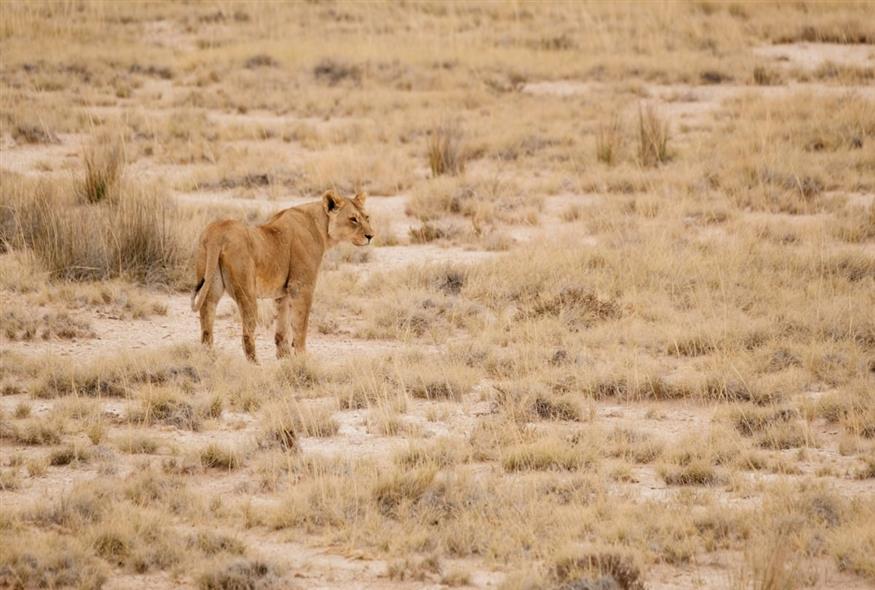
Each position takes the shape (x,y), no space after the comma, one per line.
(133,235)
(577,363)
(241,573)
(765,76)
(609,141)
(544,455)
(35,432)
(215,456)
(50,560)
(25,323)
(104,166)
(137,443)
(446,153)
(284,420)
(652,137)
(598,568)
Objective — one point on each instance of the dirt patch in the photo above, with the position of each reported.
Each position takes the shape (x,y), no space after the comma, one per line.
(560,88)
(811,56)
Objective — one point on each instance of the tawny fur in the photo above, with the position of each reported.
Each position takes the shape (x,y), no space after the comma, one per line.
(278,260)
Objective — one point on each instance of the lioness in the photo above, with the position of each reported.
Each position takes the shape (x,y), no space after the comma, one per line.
(278,260)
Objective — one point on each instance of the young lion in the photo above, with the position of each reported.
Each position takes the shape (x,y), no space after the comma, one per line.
(278,260)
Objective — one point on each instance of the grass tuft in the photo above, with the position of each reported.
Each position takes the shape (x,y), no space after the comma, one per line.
(104,166)
(397,487)
(132,235)
(446,153)
(239,574)
(215,456)
(652,137)
(609,568)
(543,455)
(608,140)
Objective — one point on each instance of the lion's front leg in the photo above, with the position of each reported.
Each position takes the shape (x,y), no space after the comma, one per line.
(282,327)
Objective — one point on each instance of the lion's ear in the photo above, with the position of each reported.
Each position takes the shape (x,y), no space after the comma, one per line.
(331,202)
(360,199)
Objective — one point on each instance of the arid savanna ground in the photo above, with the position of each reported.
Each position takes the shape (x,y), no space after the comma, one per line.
(616,329)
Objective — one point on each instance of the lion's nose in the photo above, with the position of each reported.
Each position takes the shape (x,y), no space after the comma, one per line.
(369,236)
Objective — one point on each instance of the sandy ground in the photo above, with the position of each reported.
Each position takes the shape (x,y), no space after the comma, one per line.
(336,567)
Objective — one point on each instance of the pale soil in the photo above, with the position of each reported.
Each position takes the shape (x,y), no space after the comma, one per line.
(339,567)
(812,55)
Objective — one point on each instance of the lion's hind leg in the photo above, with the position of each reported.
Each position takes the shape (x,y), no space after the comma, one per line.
(282,327)
(241,286)
(208,310)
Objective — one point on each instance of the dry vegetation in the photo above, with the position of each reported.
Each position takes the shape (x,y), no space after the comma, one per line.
(615,330)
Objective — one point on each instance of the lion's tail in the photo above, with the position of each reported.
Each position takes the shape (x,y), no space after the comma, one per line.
(213,249)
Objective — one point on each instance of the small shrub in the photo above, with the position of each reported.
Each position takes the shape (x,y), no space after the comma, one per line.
(443,453)
(301,372)
(445,151)
(26,133)
(856,225)
(261,60)
(751,420)
(9,480)
(396,487)
(113,544)
(165,405)
(652,137)
(544,455)
(69,455)
(868,470)
(786,435)
(47,560)
(212,543)
(214,456)
(104,164)
(151,488)
(281,434)
(22,410)
(38,432)
(132,233)
(438,381)
(768,566)
(764,76)
(558,408)
(369,385)
(387,422)
(576,305)
(456,577)
(609,568)
(608,140)
(633,446)
(25,323)
(138,444)
(571,213)
(314,421)
(714,77)
(334,72)
(429,232)
(37,466)
(285,420)
(696,473)
(419,569)
(240,574)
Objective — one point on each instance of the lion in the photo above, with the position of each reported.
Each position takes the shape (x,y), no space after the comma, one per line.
(277,260)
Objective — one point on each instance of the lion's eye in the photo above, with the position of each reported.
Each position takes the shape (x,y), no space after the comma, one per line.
(353,220)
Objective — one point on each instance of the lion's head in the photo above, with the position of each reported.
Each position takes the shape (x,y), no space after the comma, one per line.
(347,219)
